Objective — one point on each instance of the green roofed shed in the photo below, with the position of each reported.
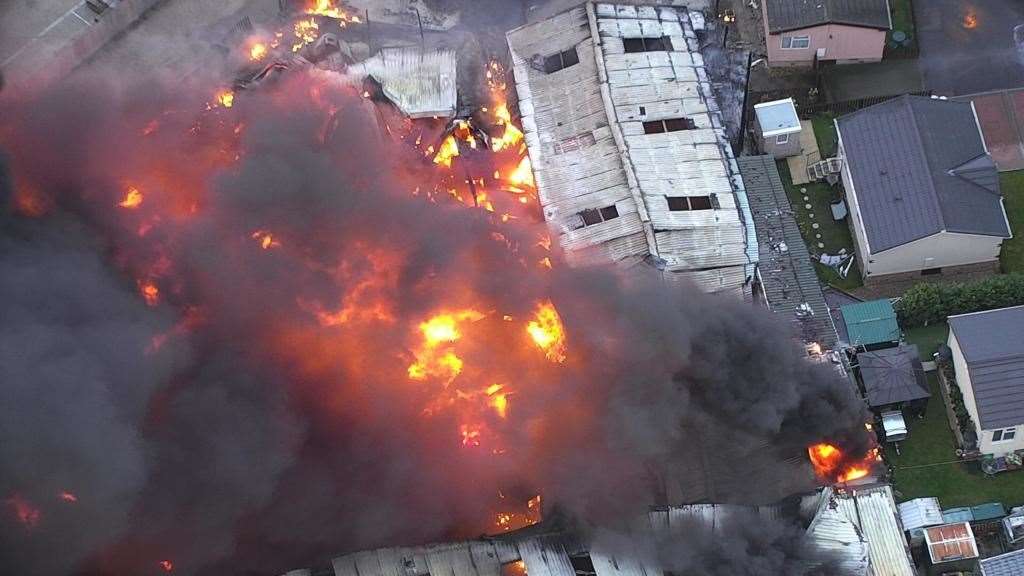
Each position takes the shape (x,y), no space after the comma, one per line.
(871,323)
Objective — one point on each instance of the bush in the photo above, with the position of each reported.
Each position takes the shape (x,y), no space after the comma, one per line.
(929,303)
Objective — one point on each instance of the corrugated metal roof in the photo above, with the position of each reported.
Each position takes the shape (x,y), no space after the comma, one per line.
(784,15)
(902,155)
(893,375)
(1009,564)
(993,346)
(584,129)
(920,512)
(787,274)
(421,83)
(873,511)
(872,322)
(832,531)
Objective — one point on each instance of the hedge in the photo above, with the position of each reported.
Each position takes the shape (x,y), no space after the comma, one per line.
(930,303)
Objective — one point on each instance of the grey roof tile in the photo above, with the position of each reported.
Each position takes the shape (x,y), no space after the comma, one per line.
(992,343)
(1009,564)
(917,170)
(893,375)
(786,15)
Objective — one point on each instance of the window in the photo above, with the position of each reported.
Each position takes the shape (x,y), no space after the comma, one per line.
(931,271)
(646,44)
(592,216)
(686,203)
(556,62)
(668,125)
(796,42)
(582,565)
(782,139)
(1004,435)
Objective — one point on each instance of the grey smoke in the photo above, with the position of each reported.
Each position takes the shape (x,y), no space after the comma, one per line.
(257,442)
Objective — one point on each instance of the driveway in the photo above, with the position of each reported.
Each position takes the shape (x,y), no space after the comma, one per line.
(970,46)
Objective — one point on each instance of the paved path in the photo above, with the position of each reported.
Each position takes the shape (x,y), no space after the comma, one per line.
(23,20)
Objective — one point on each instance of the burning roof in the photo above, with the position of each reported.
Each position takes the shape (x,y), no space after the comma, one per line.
(629,149)
(421,83)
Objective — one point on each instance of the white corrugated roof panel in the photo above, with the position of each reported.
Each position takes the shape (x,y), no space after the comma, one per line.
(873,510)
(421,83)
(589,147)
(920,512)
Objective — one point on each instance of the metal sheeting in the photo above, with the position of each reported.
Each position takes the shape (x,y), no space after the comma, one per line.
(873,511)
(919,513)
(584,131)
(421,84)
(833,533)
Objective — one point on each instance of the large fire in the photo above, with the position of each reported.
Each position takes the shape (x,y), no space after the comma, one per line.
(830,463)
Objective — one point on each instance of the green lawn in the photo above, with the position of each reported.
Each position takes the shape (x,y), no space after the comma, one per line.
(834,235)
(927,465)
(927,338)
(1012,256)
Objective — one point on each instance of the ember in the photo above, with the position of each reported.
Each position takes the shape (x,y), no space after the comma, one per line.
(166,565)
(132,199)
(68,497)
(27,514)
(257,51)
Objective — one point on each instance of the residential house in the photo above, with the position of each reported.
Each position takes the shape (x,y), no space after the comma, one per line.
(988,358)
(800,32)
(778,128)
(628,146)
(922,190)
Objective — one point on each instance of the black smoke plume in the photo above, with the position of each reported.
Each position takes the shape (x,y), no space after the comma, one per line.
(228,430)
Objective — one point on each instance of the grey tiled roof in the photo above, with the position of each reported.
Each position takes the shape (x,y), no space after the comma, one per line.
(919,167)
(992,343)
(788,275)
(893,375)
(786,15)
(1009,564)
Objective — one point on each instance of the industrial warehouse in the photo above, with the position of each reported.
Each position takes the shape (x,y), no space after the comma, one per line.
(510,288)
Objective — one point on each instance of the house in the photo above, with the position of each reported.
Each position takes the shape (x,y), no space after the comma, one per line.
(801,32)
(988,359)
(922,190)
(628,146)
(871,325)
(778,128)
(1009,564)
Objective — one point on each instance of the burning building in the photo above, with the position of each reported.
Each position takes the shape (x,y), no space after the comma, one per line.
(248,326)
(628,146)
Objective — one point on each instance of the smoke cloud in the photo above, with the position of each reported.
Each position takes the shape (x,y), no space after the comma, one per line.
(259,415)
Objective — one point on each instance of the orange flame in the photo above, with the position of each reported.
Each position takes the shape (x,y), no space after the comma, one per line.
(829,463)
(266,239)
(547,331)
(306,32)
(257,51)
(498,400)
(150,292)
(132,199)
(226,98)
(330,9)
(438,331)
(970,19)
(523,174)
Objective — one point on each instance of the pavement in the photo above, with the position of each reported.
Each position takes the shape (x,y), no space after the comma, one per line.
(855,81)
(23,20)
(970,46)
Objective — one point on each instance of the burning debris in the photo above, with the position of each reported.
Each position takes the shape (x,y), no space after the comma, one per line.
(312,323)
